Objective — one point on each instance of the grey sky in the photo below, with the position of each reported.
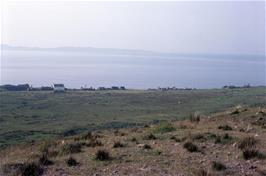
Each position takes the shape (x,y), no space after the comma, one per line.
(182,27)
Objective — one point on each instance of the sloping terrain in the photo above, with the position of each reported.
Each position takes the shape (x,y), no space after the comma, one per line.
(38,115)
(224,143)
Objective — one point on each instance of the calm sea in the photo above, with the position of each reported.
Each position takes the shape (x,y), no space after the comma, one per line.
(76,69)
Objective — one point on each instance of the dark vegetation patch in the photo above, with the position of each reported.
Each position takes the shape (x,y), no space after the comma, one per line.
(146,146)
(118,145)
(133,139)
(31,169)
(102,155)
(225,127)
(218,166)
(71,162)
(191,147)
(178,139)
(149,137)
(199,137)
(226,138)
(252,153)
(23,169)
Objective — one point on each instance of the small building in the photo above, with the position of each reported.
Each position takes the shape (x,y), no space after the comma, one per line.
(20,87)
(59,87)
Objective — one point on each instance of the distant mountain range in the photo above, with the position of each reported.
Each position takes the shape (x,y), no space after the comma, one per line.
(81,49)
(126,52)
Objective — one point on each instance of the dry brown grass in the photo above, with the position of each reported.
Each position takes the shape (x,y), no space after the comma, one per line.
(180,151)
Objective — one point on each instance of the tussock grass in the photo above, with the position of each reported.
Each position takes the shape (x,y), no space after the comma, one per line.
(225,127)
(149,137)
(146,146)
(118,145)
(102,155)
(226,138)
(71,162)
(191,147)
(247,143)
(252,153)
(23,169)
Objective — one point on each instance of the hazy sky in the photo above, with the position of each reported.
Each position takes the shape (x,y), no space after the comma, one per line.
(182,27)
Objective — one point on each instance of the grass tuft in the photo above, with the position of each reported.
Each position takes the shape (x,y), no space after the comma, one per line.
(225,127)
(118,145)
(102,155)
(191,147)
(247,143)
(252,153)
(71,162)
(146,146)
(150,137)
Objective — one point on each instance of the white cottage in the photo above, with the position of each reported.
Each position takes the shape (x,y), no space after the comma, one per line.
(59,87)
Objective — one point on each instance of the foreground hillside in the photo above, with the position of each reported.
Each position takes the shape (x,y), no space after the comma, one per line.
(27,116)
(225,143)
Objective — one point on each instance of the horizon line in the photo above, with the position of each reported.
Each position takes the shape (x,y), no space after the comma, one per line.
(23,47)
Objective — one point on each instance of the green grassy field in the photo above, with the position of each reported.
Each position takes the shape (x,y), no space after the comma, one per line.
(29,116)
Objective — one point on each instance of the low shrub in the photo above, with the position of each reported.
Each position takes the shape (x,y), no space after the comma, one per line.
(71,162)
(252,153)
(22,169)
(133,139)
(150,137)
(118,145)
(102,155)
(191,147)
(218,166)
(226,138)
(225,127)
(199,137)
(31,169)
(146,146)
